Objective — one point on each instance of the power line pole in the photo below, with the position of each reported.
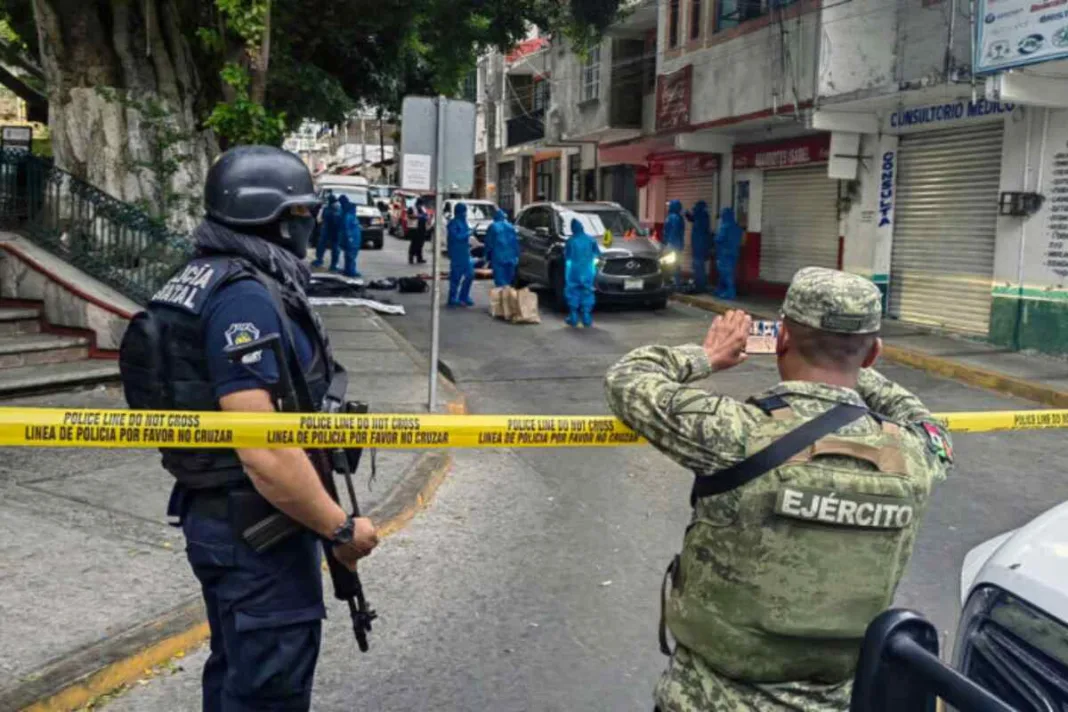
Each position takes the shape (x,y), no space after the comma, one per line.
(494,97)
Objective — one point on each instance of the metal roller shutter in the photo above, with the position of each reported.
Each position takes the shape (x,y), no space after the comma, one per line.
(689,189)
(799,227)
(945,215)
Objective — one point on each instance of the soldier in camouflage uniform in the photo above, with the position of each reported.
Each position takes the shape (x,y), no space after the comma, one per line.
(780,575)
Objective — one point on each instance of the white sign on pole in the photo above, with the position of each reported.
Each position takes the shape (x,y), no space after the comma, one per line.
(416,171)
(438,149)
(1013,33)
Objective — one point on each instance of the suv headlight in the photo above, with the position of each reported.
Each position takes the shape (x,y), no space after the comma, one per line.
(669,258)
(376,221)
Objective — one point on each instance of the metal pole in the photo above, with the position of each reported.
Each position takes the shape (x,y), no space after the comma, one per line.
(439,227)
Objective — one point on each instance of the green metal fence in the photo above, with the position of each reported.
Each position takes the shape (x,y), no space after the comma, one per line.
(109,239)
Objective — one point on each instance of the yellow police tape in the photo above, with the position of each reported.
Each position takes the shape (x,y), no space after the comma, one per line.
(54,427)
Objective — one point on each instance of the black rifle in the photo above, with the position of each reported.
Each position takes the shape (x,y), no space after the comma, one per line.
(267,530)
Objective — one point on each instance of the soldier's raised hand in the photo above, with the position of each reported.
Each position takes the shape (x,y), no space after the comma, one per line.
(725,343)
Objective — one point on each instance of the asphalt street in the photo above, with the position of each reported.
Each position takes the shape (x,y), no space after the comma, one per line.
(532,580)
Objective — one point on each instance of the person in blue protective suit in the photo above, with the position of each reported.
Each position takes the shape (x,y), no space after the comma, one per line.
(728,249)
(580,255)
(502,250)
(328,231)
(675,235)
(350,237)
(461,269)
(700,236)
(247,280)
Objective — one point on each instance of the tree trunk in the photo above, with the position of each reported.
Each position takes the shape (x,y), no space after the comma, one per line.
(123,90)
(261,61)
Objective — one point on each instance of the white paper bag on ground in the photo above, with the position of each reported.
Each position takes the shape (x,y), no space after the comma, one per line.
(526,308)
(496,308)
(509,303)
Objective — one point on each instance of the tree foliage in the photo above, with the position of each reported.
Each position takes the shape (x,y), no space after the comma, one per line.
(268,64)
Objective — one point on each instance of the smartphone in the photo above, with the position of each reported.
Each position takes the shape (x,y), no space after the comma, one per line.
(762,337)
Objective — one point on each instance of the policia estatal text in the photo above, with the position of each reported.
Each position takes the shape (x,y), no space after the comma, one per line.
(263,594)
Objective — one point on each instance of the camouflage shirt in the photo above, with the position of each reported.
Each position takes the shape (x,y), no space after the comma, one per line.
(648,390)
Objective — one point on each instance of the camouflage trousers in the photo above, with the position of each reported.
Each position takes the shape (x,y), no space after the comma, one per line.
(690,685)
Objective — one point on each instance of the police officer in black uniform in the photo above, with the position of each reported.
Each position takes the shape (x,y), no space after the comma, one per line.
(264,604)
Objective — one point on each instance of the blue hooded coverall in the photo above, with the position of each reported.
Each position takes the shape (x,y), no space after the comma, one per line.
(728,249)
(461,269)
(502,250)
(350,237)
(329,233)
(699,239)
(580,254)
(675,235)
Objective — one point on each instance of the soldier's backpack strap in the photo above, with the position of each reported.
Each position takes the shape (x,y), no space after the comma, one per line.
(776,453)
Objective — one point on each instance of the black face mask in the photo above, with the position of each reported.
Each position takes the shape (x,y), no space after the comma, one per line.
(296,232)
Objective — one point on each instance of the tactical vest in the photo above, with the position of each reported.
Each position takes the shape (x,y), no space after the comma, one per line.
(164,365)
(778,579)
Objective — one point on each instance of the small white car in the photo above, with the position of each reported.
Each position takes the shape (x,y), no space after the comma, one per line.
(1012,637)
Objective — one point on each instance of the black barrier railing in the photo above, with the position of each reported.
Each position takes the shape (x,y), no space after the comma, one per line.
(900,671)
(116,242)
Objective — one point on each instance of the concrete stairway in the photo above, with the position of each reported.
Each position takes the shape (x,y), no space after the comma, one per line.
(31,359)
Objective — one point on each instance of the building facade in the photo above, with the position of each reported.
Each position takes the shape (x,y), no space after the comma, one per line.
(890,139)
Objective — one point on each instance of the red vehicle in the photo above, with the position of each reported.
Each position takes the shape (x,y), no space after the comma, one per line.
(402,211)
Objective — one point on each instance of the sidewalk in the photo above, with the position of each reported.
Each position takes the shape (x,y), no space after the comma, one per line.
(94,586)
(1036,377)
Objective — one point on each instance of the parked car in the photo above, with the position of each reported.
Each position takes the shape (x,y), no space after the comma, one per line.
(402,211)
(381,195)
(479,216)
(372,225)
(631,269)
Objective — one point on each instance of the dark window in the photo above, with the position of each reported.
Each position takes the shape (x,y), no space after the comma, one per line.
(535,218)
(673,24)
(591,76)
(695,19)
(734,12)
(469,91)
(541,95)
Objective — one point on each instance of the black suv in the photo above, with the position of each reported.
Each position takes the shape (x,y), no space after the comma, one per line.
(631,269)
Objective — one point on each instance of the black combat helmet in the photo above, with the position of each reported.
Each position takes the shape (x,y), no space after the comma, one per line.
(255,185)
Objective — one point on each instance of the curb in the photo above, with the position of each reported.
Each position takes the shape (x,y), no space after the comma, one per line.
(74,681)
(969,375)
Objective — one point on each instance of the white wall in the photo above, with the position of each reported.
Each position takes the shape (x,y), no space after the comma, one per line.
(877,46)
(868,224)
(579,119)
(746,74)
(1030,164)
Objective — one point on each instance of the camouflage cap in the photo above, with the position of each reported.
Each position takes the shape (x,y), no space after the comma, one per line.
(829,300)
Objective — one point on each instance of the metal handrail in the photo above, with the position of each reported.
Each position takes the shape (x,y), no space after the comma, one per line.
(116,242)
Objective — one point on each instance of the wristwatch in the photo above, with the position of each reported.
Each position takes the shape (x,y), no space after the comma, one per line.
(343,534)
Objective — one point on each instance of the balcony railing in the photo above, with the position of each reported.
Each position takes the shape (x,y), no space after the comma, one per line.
(526,127)
(113,241)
